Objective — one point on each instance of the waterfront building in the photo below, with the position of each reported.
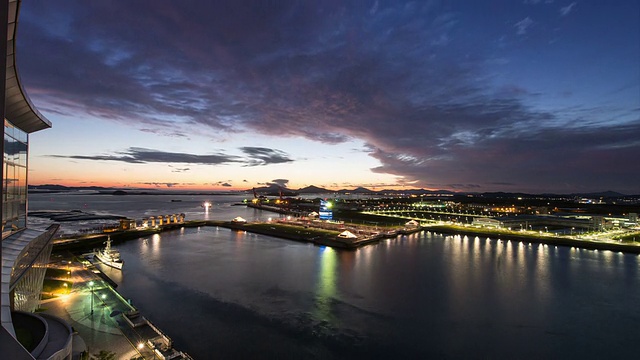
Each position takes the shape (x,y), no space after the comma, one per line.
(25,252)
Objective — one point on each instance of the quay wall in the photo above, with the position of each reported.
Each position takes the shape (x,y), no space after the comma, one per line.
(548,240)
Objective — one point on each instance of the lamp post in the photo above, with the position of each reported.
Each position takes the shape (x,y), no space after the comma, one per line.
(91,284)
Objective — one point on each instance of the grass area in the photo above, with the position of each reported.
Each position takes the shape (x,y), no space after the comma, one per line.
(631,238)
(57,273)
(56,287)
(292,230)
(358,218)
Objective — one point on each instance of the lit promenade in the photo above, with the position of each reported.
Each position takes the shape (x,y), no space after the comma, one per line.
(94,312)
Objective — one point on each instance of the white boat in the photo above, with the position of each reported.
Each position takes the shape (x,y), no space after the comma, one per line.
(109,256)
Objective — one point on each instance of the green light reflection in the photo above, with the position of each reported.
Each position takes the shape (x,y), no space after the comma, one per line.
(326,285)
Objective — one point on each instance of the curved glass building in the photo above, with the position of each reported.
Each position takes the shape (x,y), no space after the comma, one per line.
(25,252)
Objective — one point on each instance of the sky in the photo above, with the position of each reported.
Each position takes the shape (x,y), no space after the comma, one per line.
(530,96)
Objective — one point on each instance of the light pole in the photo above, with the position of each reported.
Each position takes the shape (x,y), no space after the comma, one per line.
(91,284)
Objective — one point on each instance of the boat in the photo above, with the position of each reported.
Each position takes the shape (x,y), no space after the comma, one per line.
(109,256)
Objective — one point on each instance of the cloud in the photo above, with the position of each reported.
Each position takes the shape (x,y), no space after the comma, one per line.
(428,110)
(256,156)
(226,185)
(259,156)
(464,186)
(523,25)
(135,155)
(565,10)
(525,156)
(178,170)
(161,184)
(278,182)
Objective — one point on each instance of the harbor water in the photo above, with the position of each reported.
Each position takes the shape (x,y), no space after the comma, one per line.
(226,294)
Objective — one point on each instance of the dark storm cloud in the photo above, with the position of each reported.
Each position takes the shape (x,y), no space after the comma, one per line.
(407,78)
(555,158)
(255,156)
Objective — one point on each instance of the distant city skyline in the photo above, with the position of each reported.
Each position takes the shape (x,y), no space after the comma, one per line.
(517,96)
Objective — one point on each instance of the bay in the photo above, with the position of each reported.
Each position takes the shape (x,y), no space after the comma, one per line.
(225,294)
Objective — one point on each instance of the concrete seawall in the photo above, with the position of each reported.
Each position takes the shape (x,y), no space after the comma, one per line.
(548,240)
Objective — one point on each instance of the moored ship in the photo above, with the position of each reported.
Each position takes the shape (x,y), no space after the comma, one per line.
(109,256)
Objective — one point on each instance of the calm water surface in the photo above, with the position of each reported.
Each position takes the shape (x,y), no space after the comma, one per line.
(236,295)
(224,294)
(224,207)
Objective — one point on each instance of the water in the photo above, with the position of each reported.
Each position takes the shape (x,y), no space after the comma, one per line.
(138,207)
(225,294)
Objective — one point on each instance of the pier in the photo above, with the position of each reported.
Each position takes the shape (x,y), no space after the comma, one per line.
(103,319)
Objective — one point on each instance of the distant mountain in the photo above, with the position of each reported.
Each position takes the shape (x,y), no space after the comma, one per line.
(416,191)
(273,190)
(502,194)
(313,190)
(605,194)
(358,190)
(52,187)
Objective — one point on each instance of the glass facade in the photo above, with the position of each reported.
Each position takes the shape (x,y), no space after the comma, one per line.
(29,272)
(14,180)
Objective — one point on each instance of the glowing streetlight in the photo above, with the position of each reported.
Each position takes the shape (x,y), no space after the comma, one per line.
(91,285)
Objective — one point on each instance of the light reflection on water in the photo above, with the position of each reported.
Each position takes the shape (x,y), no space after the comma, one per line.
(326,284)
(419,296)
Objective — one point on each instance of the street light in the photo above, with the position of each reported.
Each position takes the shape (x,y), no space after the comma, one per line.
(91,284)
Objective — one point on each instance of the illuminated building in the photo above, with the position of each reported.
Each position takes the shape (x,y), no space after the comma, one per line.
(25,252)
(326,213)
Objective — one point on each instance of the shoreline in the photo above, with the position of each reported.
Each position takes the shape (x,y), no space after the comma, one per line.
(548,240)
(89,242)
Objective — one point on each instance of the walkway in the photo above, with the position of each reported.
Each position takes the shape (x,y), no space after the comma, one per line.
(94,312)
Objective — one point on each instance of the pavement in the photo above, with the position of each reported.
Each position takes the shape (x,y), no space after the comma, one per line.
(93,309)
